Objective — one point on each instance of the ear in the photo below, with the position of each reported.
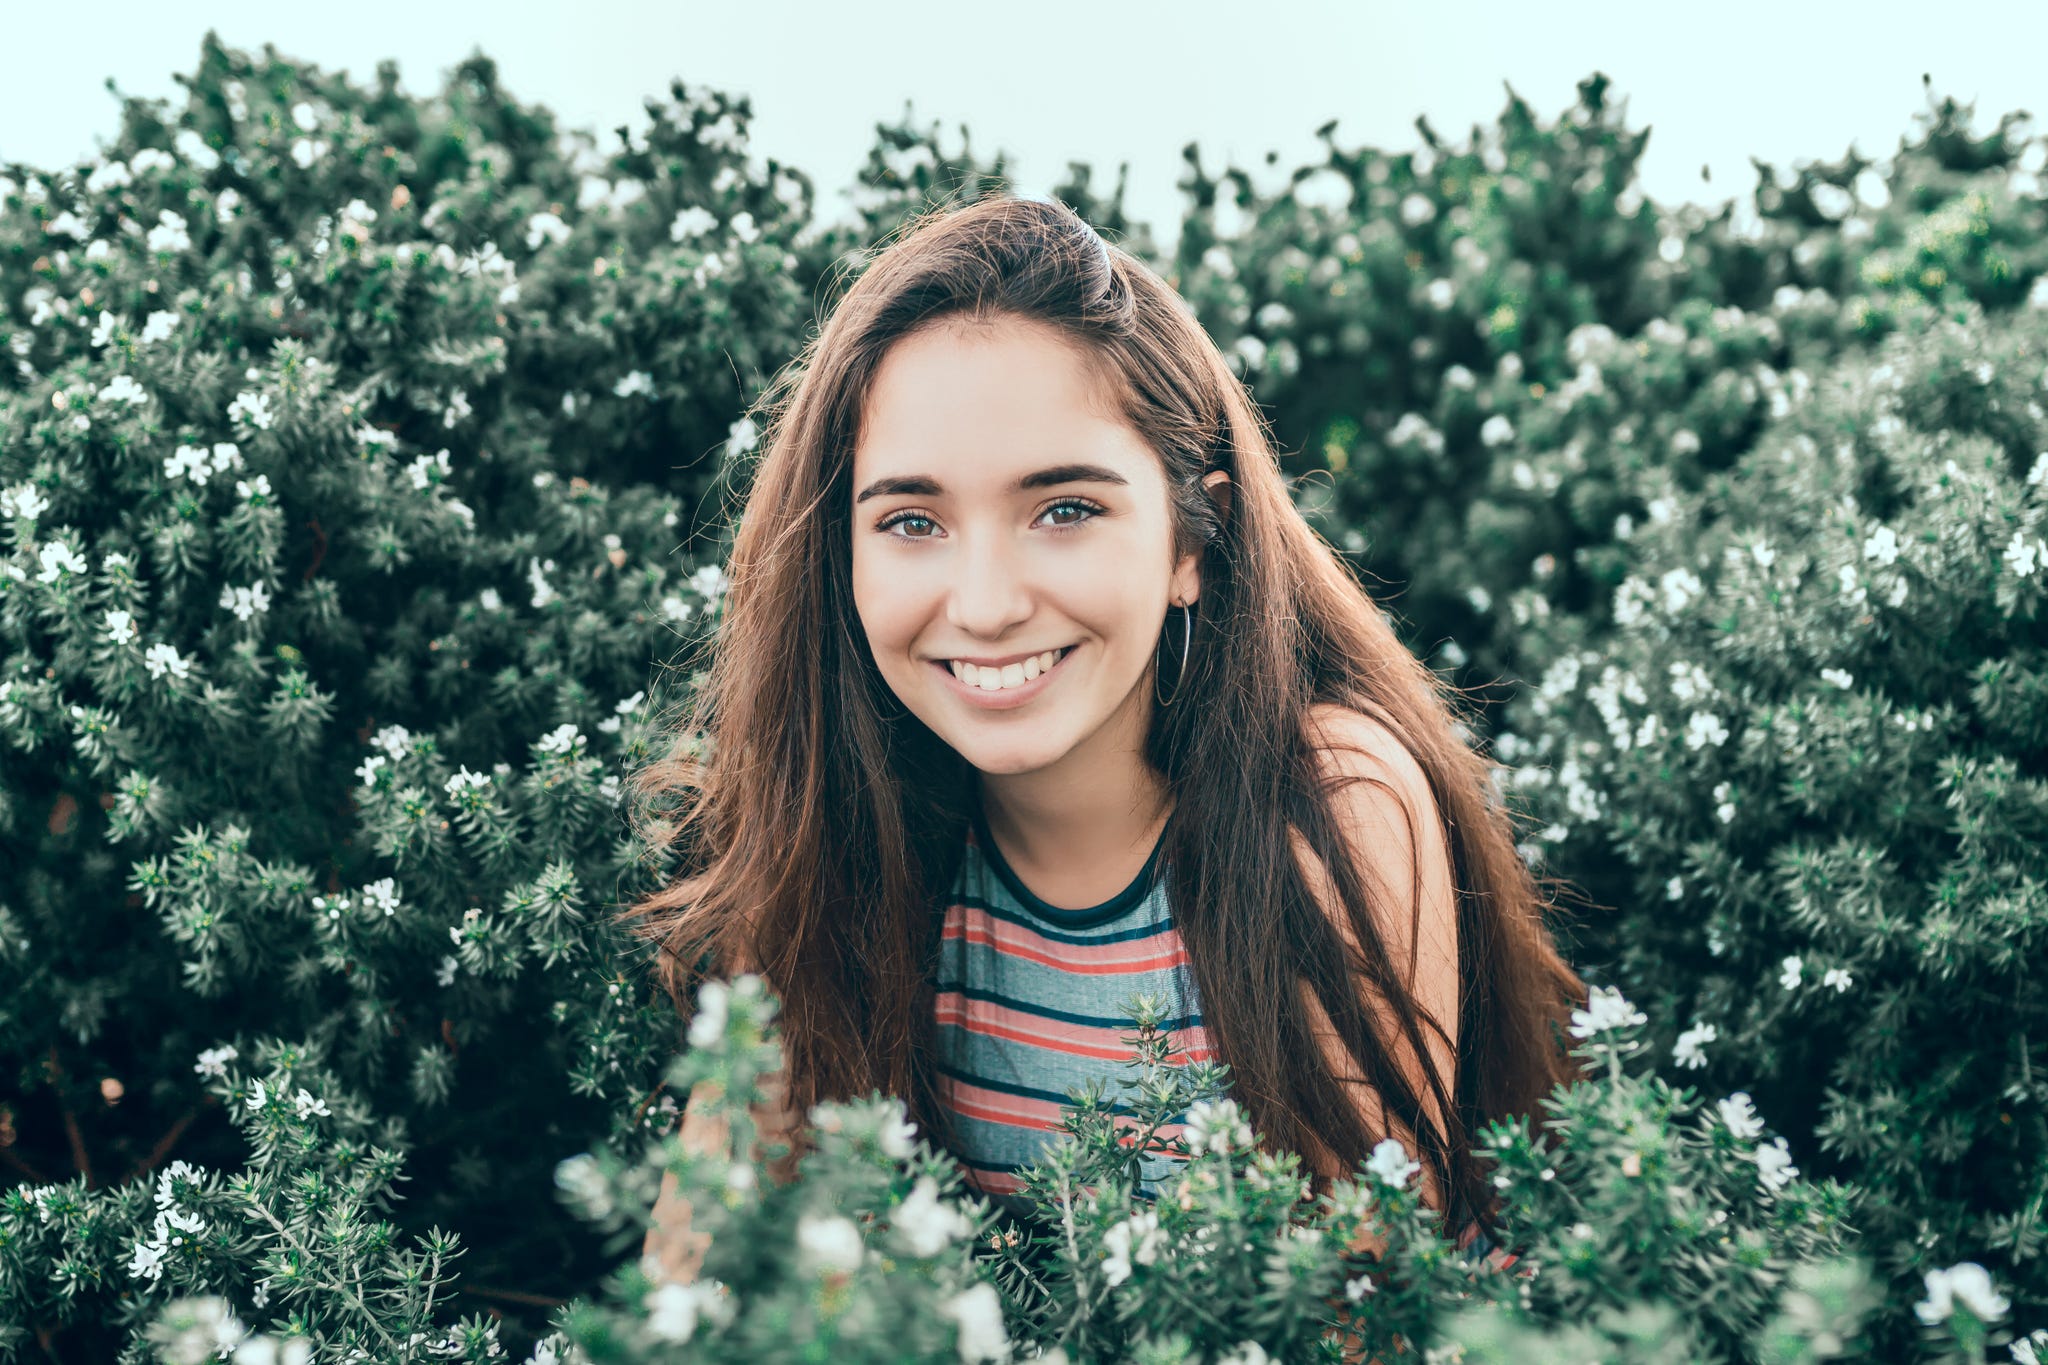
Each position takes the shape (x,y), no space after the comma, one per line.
(1217,483)
(1187,578)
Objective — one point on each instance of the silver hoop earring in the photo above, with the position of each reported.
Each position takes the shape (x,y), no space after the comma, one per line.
(1186,636)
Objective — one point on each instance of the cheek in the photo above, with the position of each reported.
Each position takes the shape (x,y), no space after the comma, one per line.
(886,600)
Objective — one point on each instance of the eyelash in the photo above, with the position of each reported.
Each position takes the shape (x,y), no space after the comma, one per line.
(896,518)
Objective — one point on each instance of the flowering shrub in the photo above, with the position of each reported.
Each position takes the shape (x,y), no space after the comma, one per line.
(1648,1225)
(1805,759)
(339,436)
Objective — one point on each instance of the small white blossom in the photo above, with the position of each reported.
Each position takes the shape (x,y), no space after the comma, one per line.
(925,1225)
(1606,1008)
(1389,1161)
(1137,1240)
(707,1026)
(829,1243)
(2022,556)
(979,1313)
(214,1060)
(639,381)
(1741,1116)
(305,1104)
(1217,1126)
(1687,1052)
(1774,1165)
(255,407)
(1968,1282)
(1704,728)
(1838,677)
(1838,977)
(1883,546)
(1788,972)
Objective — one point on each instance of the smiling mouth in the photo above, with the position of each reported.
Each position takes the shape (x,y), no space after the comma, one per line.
(1010,677)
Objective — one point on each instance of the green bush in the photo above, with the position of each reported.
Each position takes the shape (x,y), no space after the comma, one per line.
(345,443)
(1803,753)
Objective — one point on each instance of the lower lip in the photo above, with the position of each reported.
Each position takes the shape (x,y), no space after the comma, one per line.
(1008,698)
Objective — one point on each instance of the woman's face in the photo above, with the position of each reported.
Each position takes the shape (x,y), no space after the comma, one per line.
(998,517)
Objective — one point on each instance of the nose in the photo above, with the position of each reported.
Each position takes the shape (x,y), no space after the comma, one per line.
(990,592)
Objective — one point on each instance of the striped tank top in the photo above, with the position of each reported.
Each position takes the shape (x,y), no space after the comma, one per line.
(1026,1006)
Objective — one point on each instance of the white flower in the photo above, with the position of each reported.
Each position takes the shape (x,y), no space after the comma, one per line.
(710,582)
(1389,1161)
(1788,972)
(2022,556)
(259,1097)
(1839,978)
(1838,677)
(1763,554)
(23,500)
(924,1225)
(639,381)
(1356,1289)
(1883,546)
(1687,1052)
(245,602)
(1606,1008)
(829,1243)
(169,233)
(1498,430)
(1136,1239)
(1246,1353)
(160,659)
(1703,728)
(1216,1126)
(1968,1282)
(254,406)
(306,1104)
(214,1061)
(979,1312)
(707,1026)
(2027,1350)
(1774,1165)
(673,1309)
(57,560)
(898,1135)
(1740,1116)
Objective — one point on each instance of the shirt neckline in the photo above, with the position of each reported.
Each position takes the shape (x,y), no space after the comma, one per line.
(1140,886)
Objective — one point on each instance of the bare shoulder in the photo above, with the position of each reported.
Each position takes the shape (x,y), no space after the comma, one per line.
(1390,821)
(1351,744)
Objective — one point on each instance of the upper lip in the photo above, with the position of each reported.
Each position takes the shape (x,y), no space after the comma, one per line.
(1006,659)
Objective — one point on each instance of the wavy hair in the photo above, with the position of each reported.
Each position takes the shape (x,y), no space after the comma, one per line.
(824,822)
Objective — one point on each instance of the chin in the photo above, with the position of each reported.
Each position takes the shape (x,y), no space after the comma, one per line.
(1006,759)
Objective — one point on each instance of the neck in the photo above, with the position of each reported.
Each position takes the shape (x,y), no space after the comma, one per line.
(1076,813)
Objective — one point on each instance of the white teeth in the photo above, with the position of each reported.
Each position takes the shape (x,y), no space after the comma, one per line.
(1008,676)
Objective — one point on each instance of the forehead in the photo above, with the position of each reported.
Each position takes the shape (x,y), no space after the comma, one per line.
(983,402)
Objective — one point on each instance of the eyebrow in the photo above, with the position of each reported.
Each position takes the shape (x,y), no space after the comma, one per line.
(925,486)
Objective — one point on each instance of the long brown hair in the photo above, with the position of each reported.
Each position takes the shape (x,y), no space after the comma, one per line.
(826,821)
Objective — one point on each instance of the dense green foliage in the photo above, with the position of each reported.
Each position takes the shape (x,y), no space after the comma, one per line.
(347,441)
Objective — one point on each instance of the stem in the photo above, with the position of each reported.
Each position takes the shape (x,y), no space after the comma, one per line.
(513,1296)
(21,1168)
(72,1133)
(170,1138)
(357,1299)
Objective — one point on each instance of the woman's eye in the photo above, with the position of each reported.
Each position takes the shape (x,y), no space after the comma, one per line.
(893,522)
(1090,510)
(1073,505)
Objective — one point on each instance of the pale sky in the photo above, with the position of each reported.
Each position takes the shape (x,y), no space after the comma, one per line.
(1103,83)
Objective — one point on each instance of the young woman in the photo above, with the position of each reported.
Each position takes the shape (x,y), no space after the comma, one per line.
(1033,691)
